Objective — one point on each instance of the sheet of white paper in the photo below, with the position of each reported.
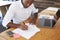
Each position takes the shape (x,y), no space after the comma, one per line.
(32,30)
(52,9)
(51,17)
(45,16)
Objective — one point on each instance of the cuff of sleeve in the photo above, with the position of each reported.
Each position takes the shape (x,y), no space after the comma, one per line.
(36,10)
(5,26)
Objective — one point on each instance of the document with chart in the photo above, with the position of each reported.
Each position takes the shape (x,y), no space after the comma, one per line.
(32,30)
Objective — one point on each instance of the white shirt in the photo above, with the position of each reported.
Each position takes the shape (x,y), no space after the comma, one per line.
(18,13)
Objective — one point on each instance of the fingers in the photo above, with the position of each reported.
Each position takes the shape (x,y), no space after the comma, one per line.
(24,27)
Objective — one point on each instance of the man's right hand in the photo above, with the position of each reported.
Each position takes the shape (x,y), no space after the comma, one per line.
(23,26)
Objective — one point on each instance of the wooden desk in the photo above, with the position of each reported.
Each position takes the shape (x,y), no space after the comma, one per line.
(44,34)
(3,5)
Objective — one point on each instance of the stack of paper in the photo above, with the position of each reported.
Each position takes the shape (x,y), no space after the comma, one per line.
(46,17)
(32,30)
(52,9)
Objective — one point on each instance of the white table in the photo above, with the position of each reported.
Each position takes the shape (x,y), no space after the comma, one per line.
(3,5)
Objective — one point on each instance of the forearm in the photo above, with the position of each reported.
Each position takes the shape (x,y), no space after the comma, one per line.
(12,25)
(35,15)
(34,18)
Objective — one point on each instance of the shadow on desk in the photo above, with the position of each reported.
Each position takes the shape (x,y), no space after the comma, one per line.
(1,27)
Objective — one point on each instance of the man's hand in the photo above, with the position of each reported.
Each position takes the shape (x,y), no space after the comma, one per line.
(23,26)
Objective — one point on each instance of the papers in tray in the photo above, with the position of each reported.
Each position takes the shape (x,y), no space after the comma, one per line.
(52,9)
(46,17)
(32,30)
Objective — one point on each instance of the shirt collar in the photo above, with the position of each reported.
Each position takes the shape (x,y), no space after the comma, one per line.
(21,5)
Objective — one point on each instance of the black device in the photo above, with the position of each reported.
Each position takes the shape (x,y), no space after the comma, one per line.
(10,33)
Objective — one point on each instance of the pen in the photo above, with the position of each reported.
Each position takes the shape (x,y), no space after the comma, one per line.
(24,23)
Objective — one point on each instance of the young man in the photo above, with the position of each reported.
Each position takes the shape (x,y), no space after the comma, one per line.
(19,12)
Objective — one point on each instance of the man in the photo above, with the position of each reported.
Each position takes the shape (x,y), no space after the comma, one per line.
(19,12)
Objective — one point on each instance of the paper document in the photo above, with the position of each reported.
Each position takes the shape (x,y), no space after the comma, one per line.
(46,17)
(32,30)
(52,9)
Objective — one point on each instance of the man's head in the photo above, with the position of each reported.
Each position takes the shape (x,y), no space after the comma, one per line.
(27,3)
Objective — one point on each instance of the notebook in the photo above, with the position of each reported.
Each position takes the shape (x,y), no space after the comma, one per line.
(32,30)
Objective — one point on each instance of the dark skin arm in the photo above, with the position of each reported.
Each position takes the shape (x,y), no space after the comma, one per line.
(34,18)
(21,25)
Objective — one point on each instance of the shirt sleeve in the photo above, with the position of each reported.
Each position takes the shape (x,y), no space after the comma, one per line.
(34,10)
(9,16)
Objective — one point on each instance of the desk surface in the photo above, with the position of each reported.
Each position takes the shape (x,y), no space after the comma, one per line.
(44,34)
(3,3)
